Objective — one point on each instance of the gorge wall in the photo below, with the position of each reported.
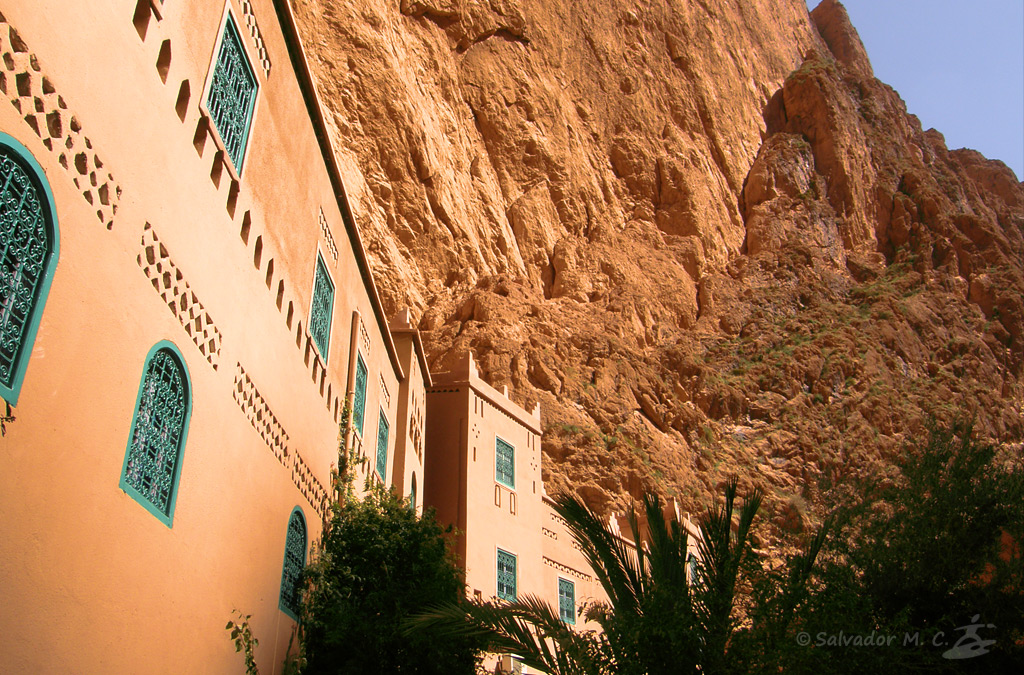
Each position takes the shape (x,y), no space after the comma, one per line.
(699,232)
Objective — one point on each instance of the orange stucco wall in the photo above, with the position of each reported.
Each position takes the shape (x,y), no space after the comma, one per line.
(90,580)
(465,417)
(406,466)
(162,239)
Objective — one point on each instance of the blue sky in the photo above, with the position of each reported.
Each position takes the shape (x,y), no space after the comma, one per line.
(958,64)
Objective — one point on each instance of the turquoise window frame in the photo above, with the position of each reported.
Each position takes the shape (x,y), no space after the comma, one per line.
(383,432)
(509,479)
(359,402)
(281,604)
(320,330)
(229,30)
(567,601)
(38,177)
(165,518)
(506,557)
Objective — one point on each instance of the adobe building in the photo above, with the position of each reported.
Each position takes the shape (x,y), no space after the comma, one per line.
(185,308)
(483,475)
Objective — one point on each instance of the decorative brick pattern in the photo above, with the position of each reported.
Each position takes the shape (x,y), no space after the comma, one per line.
(169,282)
(565,569)
(257,36)
(416,427)
(385,394)
(328,237)
(365,337)
(34,96)
(263,420)
(311,488)
(259,414)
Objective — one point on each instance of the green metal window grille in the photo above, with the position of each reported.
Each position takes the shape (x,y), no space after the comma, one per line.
(232,97)
(359,407)
(153,459)
(505,463)
(382,446)
(691,568)
(322,308)
(412,494)
(506,576)
(27,244)
(294,561)
(567,601)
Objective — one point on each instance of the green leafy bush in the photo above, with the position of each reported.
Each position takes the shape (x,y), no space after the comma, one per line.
(379,563)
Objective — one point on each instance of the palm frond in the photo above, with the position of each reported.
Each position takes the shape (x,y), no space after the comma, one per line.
(616,564)
(529,628)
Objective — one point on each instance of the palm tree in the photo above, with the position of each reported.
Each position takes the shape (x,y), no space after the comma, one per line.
(654,621)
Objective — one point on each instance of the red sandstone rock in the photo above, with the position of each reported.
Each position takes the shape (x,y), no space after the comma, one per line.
(701,234)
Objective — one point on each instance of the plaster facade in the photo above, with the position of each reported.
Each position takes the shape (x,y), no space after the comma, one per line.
(217,245)
(164,240)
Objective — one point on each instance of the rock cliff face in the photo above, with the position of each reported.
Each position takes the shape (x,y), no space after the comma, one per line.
(699,232)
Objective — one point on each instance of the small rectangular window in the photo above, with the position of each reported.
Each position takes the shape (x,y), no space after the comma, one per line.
(505,463)
(321,310)
(359,405)
(231,100)
(567,601)
(382,447)
(506,576)
(692,574)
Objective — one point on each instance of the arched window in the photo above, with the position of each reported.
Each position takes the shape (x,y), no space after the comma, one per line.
(294,561)
(29,248)
(412,494)
(156,444)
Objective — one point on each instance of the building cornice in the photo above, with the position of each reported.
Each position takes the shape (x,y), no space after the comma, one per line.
(297,54)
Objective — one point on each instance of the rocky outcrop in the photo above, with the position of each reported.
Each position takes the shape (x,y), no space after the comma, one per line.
(700,233)
(833,24)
